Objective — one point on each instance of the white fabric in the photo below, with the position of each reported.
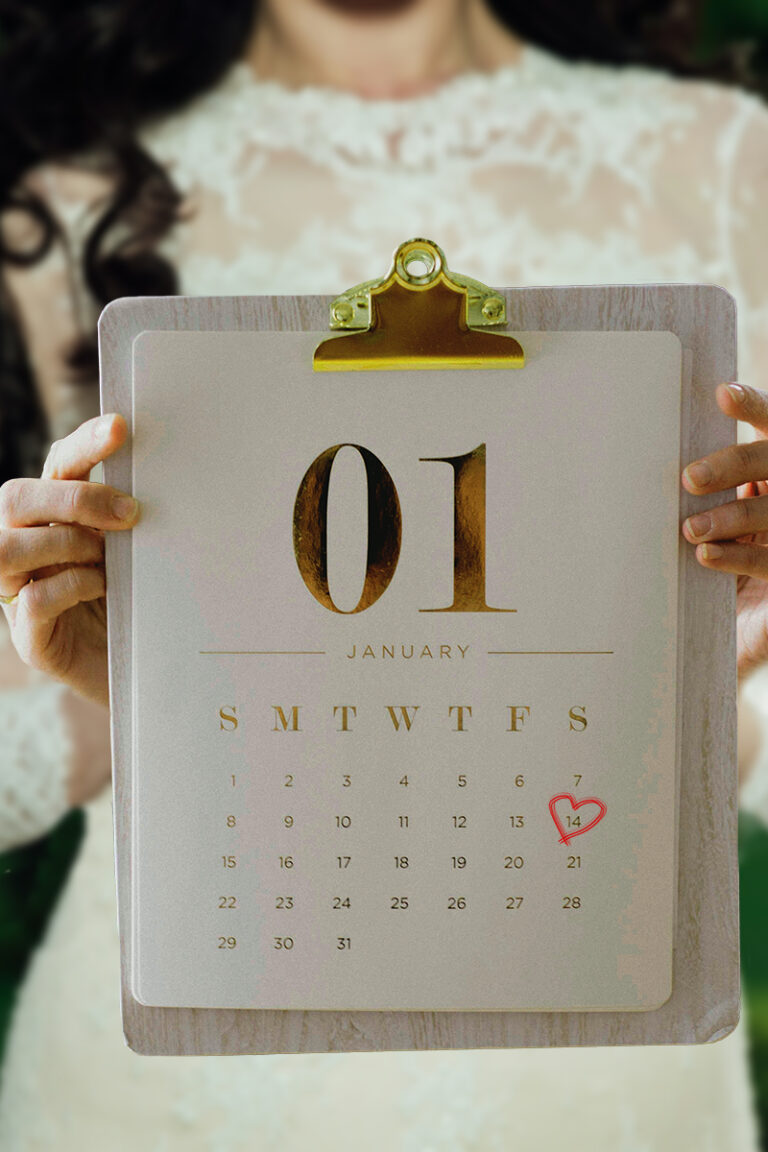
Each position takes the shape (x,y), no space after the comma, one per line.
(543,172)
(35,752)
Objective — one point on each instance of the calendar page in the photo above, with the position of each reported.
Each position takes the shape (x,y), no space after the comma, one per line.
(405,649)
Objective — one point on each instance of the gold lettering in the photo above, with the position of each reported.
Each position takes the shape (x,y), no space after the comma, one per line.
(460,710)
(280,715)
(581,720)
(345,709)
(468,532)
(516,717)
(310,528)
(229,717)
(404,715)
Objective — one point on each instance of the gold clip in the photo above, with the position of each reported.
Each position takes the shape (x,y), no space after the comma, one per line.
(419,316)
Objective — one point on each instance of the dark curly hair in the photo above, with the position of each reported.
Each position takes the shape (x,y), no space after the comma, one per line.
(81,77)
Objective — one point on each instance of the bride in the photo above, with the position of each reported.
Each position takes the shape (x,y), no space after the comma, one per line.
(288,147)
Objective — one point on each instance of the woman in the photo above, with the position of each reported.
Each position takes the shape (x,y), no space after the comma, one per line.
(287,156)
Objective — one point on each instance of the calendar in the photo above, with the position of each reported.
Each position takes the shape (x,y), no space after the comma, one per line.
(405,654)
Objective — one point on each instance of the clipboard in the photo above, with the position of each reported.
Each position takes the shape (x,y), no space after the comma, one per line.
(423,316)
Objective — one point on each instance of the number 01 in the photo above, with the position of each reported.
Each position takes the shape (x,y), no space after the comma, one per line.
(310,529)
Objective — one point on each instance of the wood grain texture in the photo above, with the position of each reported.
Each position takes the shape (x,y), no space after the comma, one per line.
(704,1005)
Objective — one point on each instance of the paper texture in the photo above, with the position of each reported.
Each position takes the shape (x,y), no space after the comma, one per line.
(280,859)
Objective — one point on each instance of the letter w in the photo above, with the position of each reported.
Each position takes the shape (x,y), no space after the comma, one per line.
(404,715)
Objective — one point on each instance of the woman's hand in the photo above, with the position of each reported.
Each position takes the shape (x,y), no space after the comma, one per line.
(740,527)
(52,556)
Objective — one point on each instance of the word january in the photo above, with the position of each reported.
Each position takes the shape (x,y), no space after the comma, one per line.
(407,652)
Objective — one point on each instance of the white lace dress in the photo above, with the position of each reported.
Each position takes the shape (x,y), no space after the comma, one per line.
(543,172)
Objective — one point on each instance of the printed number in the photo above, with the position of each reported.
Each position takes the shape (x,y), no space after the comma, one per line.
(571,902)
(288,821)
(576,779)
(574,862)
(339,903)
(399,902)
(462,780)
(343,943)
(520,780)
(385,528)
(286,861)
(404,781)
(227,942)
(227,901)
(343,861)
(284,902)
(573,821)
(458,861)
(343,821)
(285,942)
(459,821)
(347,782)
(229,861)
(517,821)
(233,780)
(513,862)
(401,861)
(457,902)
(231,821)
(288,781)
(514,902)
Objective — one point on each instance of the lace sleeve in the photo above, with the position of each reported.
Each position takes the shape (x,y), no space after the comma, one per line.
(744,156)
(51,307)
(35,753)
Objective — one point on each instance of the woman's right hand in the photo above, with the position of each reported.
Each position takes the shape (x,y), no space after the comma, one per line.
(52,555)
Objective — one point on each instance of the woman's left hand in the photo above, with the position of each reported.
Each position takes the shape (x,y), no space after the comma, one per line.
(740,528)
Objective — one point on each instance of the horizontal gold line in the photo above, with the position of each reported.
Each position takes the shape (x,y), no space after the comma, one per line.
(555,652)
(226,652)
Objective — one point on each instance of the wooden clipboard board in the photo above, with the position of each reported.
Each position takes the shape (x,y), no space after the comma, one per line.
(446,321)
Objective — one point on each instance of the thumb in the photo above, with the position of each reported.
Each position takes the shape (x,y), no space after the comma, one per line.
(73,457)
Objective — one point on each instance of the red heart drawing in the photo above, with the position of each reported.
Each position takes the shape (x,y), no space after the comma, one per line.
(566,836)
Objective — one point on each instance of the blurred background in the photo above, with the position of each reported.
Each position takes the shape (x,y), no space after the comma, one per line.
(32,877)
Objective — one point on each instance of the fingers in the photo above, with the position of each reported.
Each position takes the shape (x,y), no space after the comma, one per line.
(25,502)
(743,559)
(41,603)
(728,467)
(724,535)
(23,551)
(73,457)
(738,463)
(728,521)
(44,600)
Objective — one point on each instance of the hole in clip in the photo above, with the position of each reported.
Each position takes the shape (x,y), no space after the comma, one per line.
(419,264)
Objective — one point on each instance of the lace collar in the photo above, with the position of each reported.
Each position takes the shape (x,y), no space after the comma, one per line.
(458,120)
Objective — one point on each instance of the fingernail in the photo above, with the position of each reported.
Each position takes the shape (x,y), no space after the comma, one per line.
(711,551)
(699,525)
(698,474)
(124,507)
(103,427)
(737,392)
